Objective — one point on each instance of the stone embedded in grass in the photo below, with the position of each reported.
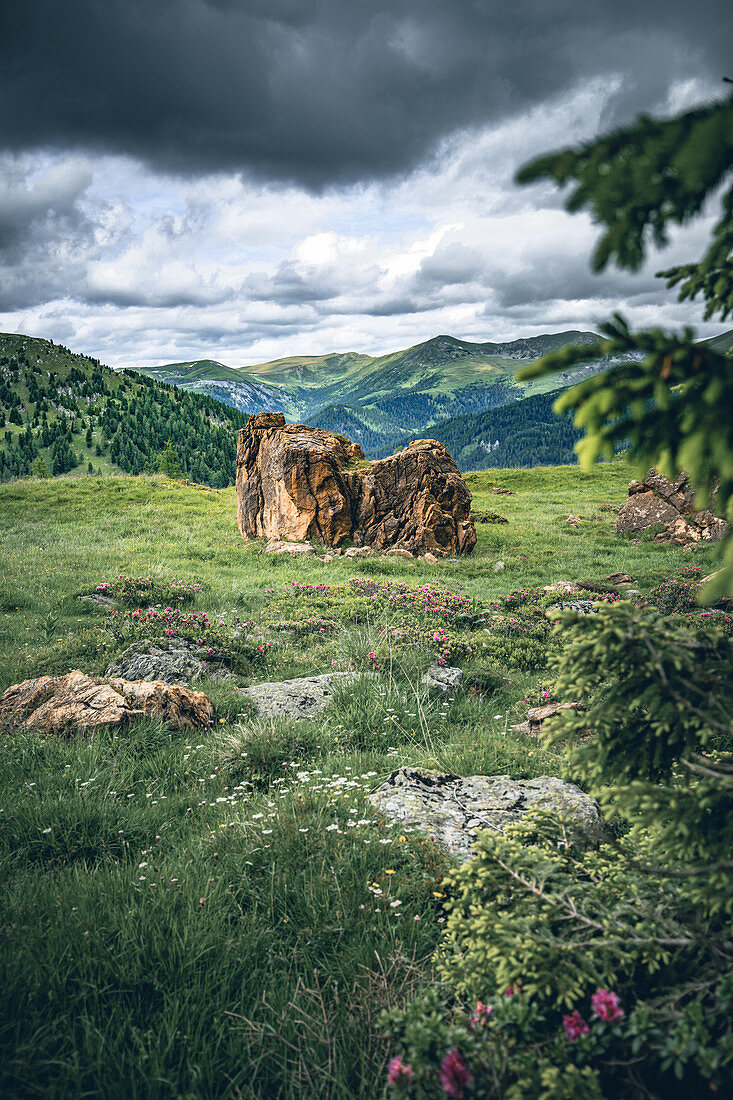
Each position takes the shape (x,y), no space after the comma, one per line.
(277,546)
(536,716)
(61,704)
(297,698)
(567,587)
(443,677)
(98,598)
(177,706)
(583,607)
(454,810)
(173,660)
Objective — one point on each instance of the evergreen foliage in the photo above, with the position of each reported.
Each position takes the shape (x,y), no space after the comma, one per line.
(167,462)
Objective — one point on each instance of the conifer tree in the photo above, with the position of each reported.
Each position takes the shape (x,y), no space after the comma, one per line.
(167,462)
(674,405)
(624,952)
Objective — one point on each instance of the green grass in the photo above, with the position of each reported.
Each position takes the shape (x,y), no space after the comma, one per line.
(198,915)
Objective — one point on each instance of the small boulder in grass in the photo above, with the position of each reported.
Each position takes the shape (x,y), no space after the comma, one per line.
(443,677)
(68,704)
(536,716)
(296,549)
(456,809)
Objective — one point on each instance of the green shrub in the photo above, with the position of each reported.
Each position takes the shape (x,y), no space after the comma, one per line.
(646,917)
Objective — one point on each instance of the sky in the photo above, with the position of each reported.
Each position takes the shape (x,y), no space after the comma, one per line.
(248,179)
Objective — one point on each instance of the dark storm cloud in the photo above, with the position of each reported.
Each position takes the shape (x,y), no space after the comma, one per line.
(324,91)
(43,231)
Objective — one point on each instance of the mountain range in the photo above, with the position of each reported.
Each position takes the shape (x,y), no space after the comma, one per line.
(64,412)
(377,400)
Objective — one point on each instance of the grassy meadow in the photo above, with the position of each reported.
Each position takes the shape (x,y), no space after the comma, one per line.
(222,913)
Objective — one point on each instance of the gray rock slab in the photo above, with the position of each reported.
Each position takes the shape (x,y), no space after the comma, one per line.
(585,607)
(444,677)
(298,698)
(97,597)
(455,810)
(175,661)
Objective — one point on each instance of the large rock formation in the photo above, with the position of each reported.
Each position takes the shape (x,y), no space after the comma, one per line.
(455,809)
(658,502)
(61,704)
(298,483)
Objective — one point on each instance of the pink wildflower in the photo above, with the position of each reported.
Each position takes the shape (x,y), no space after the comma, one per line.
(454,1077)
(480,1014)
(398,1071)
(574,1026)
(606,1006)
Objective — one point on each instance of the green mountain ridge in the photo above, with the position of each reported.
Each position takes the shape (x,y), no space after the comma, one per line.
(378,399)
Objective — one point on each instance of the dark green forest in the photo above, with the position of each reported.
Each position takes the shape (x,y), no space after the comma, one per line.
(523,433)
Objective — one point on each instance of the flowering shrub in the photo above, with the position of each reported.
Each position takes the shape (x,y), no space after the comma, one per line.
(360,600)
(511,1049)
(214,637)
(145,591)
(429,618)
(678,592)
(522,641)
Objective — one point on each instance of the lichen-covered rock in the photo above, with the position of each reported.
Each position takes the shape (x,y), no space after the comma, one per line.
(536,716)
(174,661)
(63,704)
(584,607)
(177,706)
(569,588)
(295,549)
(443,677)
(455,810)
(299,483)
(298,698)
(57,704)
(658,502)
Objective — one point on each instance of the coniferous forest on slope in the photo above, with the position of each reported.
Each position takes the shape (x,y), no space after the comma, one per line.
(60,412)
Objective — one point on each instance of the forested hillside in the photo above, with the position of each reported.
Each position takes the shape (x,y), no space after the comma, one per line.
(61,412)
(523,433)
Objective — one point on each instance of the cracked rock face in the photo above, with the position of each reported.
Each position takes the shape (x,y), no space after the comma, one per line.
(455,809)
(299,483)
(175,662)
(658,502)
(443,677)
(65,704)
(298,698)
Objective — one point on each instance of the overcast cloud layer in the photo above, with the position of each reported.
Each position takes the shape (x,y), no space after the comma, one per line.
(243,179)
